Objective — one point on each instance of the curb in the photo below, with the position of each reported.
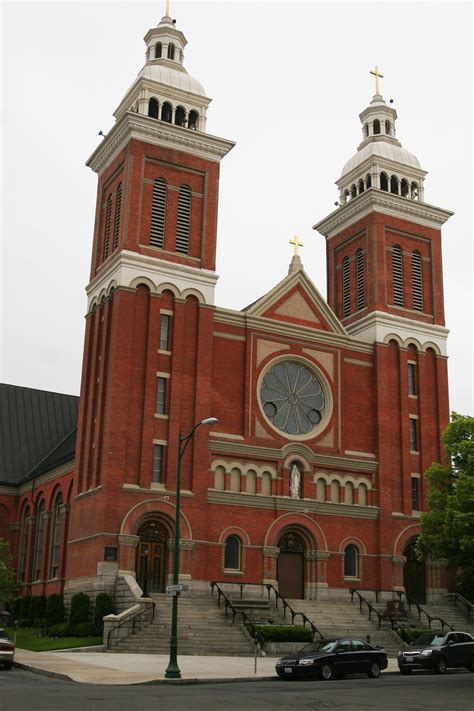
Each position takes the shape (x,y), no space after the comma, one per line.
(42,672)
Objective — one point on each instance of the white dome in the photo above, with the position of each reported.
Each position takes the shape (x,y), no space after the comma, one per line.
(384,150)
(170,77)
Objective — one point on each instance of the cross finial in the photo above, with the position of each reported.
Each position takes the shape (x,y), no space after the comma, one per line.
(377,75)
(295,241)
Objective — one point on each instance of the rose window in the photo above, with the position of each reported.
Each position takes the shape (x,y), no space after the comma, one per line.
(292,398)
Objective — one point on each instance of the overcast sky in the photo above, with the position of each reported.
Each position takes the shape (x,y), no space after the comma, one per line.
(288,80)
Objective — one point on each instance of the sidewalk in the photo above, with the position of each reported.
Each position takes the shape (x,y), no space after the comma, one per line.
(110,668)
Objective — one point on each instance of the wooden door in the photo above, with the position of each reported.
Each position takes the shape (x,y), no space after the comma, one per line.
(290,575)
(151,566)
(414,576)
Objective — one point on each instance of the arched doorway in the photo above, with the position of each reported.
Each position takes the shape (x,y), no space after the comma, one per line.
(414,575)
(152,557)
(290,569)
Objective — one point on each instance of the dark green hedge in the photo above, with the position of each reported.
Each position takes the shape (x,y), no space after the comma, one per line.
(103,606)
(80,609)
(55,612)
(284,633)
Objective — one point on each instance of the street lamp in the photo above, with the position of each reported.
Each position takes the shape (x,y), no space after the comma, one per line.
(172,670)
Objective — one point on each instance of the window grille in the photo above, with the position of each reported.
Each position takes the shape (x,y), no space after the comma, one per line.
(417,280)
(108,220)
(360,297)
(415,493)
(165,332)
(346,287)
(398,281)
(118,207)
(161,396)
(233,553)
(413,435)
(183,223)
(56,537)
(158,212)
(157,462)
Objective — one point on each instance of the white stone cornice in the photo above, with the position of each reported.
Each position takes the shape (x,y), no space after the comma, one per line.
(159,133)
(126,267)
(383,164)
(374,200)
(378,327)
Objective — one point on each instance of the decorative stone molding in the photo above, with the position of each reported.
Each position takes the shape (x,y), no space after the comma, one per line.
(322,555)
(271,551)
(128,540)
(14,526)
(399,560)
(186,545)
(440,563)
(314,555)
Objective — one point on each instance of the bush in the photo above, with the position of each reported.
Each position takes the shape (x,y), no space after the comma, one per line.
(465,583)
(59,630)
(83,629)
(103,606)
(55,613)
(411,634)
(22,622)
(284,633)
(39,622)
(16,608)
(25,608)
(80,609)
(41,606)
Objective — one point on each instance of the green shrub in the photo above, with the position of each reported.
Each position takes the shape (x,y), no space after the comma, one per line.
(22,622)
(83,629)
(80,609)
(103,606)
(25,607)
(411,634)
(59,630)
(39,622)
(55,613)
(40,605)
(284,633)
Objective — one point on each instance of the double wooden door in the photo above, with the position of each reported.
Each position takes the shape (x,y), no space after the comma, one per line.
(151,566)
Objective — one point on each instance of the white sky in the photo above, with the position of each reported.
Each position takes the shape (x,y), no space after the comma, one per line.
(288,80)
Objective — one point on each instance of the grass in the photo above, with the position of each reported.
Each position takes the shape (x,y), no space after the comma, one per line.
(28,638)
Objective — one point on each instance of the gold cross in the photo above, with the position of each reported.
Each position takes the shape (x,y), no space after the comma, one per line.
(376,75)
(297,244)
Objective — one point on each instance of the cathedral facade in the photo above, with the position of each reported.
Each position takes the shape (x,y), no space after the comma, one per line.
(328,411)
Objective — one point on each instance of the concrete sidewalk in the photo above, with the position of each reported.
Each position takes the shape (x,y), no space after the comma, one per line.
(110,668)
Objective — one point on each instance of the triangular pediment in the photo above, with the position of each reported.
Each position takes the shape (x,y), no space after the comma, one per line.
(296,300)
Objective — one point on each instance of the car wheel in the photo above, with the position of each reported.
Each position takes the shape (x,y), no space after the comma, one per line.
(374,670)
(440,665)
(325,671)
(405,671)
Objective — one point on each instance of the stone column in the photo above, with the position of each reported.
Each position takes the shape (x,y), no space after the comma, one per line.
(186,550)
(322,584)
(436,586)
(127,553)
(270,557)
(398,564)
(311,574)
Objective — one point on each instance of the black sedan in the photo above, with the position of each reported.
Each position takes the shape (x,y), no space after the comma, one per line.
(438,651)
(328,658)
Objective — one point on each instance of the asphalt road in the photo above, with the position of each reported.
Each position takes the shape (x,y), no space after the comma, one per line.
(21,691)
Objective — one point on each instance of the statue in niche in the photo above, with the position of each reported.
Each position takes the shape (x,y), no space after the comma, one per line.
(295,482)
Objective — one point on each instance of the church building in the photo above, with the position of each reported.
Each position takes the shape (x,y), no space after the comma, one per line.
(328,410)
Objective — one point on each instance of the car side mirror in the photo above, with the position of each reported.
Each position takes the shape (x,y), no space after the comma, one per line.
(450,642)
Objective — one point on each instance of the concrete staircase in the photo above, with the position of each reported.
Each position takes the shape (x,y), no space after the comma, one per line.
(202,629)
(451,614)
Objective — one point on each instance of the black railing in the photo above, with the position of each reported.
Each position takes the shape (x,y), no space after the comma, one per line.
(466,607)
(363,601)
(143,615)
(248,624)
(421,611)
(400,594)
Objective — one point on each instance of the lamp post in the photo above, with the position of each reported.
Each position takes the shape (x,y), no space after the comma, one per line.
(172,670)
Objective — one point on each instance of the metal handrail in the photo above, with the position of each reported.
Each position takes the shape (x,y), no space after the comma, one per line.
(421,611)
(364,601)
(460,602)
(132,619)
(256,636)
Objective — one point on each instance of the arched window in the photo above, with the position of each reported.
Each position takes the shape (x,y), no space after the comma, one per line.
(346,287)
(394,184)
(183,220)
(56,536)
(266,484)
(118,208)
(368,180)
(171,49)
(235,480)
(158,50)
(179,116)
(24,544)
(384,182)
(360,290)
(166,112)
(233,553)
(39,539)
(349,493)
(321,489)
(353,191)
(388,127)
(219,479)
(251,479)
(335,492)
(108,221)
(362,495)
(366,130)
(153,108)
(351,562)
(414,191)
(398,280)
(404,188)
(158,212)
(193,120)
(361,186)
(417,280)
(376,126)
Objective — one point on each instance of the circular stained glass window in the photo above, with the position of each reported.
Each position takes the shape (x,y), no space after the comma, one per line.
(292,398)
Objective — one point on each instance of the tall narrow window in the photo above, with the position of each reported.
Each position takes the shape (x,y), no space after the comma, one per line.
(417,280)
(384,181)
(24,545)
(397,273)
(183,222)
(193,120)
(153,108)
(376,126)
(412,378)
(346,287)
(233,553)
(166,112)
(360,296)
(158,50)
(165,332)
(415,493)
(171,49)
(39,537)
(161,396)
(158,212)
(351,559)
(413,434)
(108,221)
(56,537)
(157,462)
(118,208)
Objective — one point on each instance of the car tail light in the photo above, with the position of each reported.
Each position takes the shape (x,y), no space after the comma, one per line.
(6,646)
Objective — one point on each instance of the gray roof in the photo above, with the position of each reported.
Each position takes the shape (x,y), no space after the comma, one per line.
(37,431)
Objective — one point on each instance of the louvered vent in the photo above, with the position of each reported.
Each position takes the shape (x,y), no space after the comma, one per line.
(346,287)
(397,266)
(158,212)
(183,222)
(417,280)
(108,219)
(118,207)
(360,296)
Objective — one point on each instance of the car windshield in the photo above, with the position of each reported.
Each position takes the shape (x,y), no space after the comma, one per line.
(431,638)
(4,634)
(322,645)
